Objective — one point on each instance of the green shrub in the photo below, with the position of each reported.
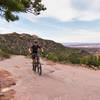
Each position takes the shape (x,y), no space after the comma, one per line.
(52,57)
(4,55)
(61,57)
(74,58)
(90,60)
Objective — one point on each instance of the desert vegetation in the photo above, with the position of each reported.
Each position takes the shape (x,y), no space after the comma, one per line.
(4,55)
(18,44)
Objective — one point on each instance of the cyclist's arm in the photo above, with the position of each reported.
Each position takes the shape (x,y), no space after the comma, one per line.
(41,49)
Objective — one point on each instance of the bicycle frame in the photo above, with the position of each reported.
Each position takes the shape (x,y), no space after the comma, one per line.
(37,65)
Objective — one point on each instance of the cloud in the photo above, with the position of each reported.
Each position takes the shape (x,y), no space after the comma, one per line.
(86,36)
(64,11)
(2,21)
(29,16)
(64,35)
(6,27)
(69,10)
(60,9)
(4,30)
(88,10)
(58,34)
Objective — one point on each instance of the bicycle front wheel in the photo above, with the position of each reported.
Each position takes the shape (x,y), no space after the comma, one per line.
(34,67)
(40,69)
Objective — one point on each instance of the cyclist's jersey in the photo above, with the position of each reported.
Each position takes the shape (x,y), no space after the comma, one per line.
(35,48)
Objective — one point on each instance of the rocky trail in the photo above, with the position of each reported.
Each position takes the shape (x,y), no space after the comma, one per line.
(58,81)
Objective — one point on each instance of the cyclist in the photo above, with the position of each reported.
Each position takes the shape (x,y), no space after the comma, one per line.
(34,50)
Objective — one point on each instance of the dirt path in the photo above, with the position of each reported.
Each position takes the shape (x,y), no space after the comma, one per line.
(58,82)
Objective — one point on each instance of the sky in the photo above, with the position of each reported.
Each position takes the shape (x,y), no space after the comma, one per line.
(64,21)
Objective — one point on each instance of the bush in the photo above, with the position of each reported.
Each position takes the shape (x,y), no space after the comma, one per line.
(61,57)
(90,60)
(74,58)
(52,57)
(4,55)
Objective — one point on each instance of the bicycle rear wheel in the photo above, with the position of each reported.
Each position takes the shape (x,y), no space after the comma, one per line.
(39,69)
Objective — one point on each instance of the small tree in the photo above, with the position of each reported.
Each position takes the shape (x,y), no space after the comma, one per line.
(99,60)
(74,58)
(52,56)
(9,8)
(90,60)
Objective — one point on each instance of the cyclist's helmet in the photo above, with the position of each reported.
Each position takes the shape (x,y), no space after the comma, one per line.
(35,41)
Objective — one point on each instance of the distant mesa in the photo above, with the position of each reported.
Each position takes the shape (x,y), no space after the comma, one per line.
(82,45)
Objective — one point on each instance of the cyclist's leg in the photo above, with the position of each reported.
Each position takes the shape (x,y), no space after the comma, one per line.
(33,59)
(33,62)
(38,55)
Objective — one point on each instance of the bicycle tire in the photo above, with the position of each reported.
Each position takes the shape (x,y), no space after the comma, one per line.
(40,69)
(34,68)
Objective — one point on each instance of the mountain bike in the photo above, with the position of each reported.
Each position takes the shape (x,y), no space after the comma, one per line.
(37,67)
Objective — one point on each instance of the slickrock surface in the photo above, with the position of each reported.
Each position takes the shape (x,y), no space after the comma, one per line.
(58,81)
